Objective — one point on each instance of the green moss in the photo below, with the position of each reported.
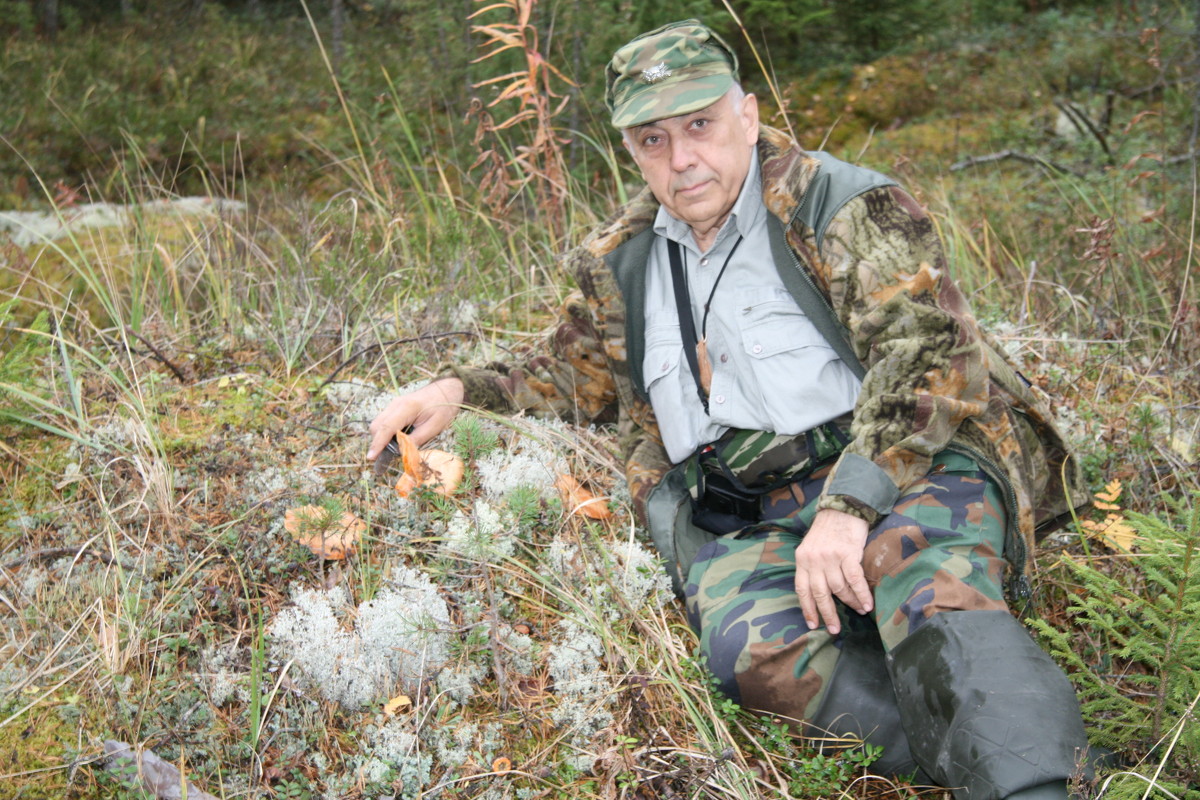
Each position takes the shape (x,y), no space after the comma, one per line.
(40,745)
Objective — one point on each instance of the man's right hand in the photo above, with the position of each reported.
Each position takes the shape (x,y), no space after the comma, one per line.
(425,412)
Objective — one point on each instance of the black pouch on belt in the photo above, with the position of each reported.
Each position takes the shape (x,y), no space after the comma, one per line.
(729,477)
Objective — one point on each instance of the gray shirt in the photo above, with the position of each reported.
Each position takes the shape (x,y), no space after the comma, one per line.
(772,370)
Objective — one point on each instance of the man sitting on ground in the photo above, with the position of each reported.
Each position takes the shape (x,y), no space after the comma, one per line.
(840,472)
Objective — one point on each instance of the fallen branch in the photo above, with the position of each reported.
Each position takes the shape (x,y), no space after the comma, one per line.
(976,161)
(1083,123)
(380,345)
(52,553)
(158,355)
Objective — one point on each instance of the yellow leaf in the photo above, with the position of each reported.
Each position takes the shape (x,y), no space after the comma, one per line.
(320,243)
(1111,491)
(579,500)
(1184,445)
(1121,535)
(397,704)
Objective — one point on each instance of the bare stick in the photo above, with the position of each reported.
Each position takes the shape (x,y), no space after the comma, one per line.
(53,552)
(1083,123)
(991,158)
(381,345)
(157,354)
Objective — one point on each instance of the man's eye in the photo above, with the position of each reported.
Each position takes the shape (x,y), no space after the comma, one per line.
(699,123)
(650,141)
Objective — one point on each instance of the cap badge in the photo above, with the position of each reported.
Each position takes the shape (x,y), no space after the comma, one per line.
(658,72)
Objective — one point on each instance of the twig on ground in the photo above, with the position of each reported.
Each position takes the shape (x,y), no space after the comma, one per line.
(51,553)
(157,354)
(991,158)
(380,345)
(1084,124)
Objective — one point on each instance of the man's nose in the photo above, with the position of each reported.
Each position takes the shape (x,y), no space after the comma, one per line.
(683,155)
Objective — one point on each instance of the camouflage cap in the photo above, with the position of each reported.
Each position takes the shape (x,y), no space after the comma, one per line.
(673,70)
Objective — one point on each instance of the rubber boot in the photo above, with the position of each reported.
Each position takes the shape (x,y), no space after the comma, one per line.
(860,706)
(1047,791)
(987,713)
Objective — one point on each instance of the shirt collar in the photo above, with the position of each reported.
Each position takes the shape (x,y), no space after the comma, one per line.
(747,210)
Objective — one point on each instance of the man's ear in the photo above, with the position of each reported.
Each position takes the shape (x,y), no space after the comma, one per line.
(749,118)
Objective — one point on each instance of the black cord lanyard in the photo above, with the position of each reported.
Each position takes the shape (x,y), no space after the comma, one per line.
(683,303)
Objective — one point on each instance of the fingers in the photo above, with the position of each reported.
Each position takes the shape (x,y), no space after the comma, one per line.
(396,417)
(424,413)
(816,601)
(857,592)
(808,606)
(429,423)
(829,568)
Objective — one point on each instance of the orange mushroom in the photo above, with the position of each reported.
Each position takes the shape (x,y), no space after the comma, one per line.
(435,468)
(313,527)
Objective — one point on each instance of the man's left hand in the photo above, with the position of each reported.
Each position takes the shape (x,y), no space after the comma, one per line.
(829,565)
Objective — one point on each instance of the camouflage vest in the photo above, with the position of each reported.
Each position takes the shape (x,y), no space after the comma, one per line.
(835,184)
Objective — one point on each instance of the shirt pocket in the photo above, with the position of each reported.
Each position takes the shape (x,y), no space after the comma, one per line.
(772,324)
(799,380)
(664,349)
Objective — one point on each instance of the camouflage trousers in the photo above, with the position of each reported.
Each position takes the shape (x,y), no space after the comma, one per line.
(940,549)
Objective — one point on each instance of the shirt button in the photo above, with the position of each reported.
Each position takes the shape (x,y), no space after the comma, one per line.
(666,366)
(704,262)
(720,398)
(724,357)
(756,349)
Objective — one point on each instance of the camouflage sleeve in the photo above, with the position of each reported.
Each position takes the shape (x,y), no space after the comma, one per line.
(645,457)
(569,380)
(883,268)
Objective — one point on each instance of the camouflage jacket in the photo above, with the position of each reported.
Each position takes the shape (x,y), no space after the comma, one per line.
(932,380)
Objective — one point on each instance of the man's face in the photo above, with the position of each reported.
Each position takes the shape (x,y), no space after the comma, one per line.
(695,163)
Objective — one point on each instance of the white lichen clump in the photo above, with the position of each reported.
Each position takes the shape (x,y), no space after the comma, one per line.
(536,465)
(26,228)
(484,535)
(562,557)
(584,688)
(400,639)
(359,403)
(459,683)
(223,673)
(519,648)
(274,483)
(394,751)
(640,579)
(32,580)
(123,433)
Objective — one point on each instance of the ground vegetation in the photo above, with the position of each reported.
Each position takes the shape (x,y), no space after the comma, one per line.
(229,231)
